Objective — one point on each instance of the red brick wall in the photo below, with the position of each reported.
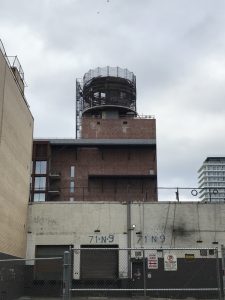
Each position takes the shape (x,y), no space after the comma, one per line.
(94,161)
(124,128)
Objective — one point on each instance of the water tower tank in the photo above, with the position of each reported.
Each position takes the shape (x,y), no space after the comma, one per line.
(109,91)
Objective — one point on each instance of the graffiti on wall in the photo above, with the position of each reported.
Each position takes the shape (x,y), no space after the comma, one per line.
(101,239)
(151,238)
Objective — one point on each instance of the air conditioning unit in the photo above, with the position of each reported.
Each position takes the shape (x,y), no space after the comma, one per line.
(151,172)
(137,254)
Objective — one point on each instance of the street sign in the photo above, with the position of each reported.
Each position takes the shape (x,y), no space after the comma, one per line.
(153,260)
(170,262)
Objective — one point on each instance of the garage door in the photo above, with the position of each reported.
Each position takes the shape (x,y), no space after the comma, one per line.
(49,269)
(100,263)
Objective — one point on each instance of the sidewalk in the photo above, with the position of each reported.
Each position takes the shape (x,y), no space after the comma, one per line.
(111,298)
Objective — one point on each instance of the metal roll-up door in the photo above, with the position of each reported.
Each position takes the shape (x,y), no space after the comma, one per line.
(99,264)
(49,269)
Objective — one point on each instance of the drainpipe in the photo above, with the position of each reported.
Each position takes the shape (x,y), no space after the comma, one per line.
(128,224)
(128,235)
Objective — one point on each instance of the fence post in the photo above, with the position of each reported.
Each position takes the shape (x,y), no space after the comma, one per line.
(223,267)
(66,275)
(144,273)
(218,275)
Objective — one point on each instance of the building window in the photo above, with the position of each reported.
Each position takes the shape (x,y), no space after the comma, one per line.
(71,187)
(39,197)
(123,95)
(40,183)
(72,171)
(96,94)
(41,167)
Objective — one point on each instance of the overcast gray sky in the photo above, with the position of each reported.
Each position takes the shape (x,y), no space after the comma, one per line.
(176,48)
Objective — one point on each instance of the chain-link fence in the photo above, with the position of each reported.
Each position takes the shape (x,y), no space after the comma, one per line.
(39,277)
(101,271)
(135,192)
(161,273)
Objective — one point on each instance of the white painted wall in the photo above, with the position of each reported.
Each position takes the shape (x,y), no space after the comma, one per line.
(161,224)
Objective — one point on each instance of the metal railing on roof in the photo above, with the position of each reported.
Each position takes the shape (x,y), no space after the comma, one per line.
(15,63)
(2,48)
(12,61)
(109,71)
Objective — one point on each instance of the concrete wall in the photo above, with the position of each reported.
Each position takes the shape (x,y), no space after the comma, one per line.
(161,224)
(165,225)
(16,128)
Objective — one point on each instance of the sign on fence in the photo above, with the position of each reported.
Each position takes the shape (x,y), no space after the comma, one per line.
(170,262)
(152,260)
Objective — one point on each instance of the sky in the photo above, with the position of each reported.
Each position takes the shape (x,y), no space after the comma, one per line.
(176,49)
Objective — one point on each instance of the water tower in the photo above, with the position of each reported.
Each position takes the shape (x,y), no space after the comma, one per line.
(105,93)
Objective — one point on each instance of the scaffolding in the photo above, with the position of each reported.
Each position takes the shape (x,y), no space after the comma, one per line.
(79,106)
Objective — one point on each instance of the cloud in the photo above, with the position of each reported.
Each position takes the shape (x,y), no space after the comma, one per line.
(175,48)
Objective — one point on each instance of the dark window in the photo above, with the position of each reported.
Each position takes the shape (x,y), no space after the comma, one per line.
(41,150)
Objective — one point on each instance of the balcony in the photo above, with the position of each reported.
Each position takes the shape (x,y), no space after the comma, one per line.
(54,192)
(54,189)
(115,195)
(125,172)
(54,176)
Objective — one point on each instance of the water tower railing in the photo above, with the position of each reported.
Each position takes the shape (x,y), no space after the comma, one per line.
(109,71)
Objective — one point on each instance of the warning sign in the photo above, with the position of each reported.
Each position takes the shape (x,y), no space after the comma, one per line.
(170,262)
(152,260)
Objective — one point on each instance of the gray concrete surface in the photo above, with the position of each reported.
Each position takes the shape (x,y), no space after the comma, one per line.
(110,298)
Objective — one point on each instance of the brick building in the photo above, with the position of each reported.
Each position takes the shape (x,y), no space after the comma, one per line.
(87,198)
(113,157)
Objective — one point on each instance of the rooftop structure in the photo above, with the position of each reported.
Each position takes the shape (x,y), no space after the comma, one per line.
(105,93)
(113,157)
